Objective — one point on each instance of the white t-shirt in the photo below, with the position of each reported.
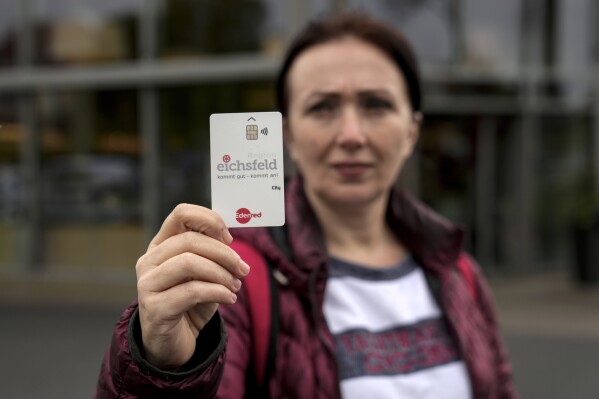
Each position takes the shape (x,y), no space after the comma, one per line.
(392,339)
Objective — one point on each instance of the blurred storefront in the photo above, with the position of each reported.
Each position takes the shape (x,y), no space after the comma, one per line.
(104,111)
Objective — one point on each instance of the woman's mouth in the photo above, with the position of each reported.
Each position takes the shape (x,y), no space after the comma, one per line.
(351,170)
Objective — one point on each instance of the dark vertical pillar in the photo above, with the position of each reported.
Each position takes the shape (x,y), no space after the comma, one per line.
(31,243)
(149,121)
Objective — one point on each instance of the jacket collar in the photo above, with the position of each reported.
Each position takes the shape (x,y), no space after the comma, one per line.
(433,241)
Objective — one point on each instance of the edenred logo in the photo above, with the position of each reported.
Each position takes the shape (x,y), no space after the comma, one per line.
(243,215)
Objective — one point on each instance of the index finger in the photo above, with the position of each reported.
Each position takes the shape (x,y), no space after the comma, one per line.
(188,217)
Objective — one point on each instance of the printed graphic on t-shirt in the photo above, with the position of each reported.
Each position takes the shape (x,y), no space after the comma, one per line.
(399,351)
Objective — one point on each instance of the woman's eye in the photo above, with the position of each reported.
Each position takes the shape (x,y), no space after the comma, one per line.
(377,104)
(322,107)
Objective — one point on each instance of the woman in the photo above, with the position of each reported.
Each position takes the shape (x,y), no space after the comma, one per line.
(371,302)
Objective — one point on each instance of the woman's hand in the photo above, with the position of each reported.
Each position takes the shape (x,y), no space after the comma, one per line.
(186,272)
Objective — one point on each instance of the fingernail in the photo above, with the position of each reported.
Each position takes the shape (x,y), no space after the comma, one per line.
(245,268)
(228,237)
(237,284)
(234,298)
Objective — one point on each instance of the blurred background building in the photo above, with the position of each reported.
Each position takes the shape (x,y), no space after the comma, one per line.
(104,126)
(104,111)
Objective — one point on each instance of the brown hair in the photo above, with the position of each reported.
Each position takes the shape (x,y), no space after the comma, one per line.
(360,26)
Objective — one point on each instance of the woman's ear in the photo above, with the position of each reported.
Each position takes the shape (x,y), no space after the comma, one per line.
(414,131)
(288,138)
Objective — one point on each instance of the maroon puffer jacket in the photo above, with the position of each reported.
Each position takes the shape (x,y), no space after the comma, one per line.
(305,366)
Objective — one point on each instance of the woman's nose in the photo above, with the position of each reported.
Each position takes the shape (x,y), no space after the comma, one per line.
(351,133)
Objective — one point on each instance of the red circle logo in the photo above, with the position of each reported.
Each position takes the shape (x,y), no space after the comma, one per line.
(226,158)
(243,215)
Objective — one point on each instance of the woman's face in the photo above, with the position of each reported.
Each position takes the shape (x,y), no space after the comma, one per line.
(350,125)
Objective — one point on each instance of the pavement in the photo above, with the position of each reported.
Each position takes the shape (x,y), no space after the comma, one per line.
(551,328)
(52,348)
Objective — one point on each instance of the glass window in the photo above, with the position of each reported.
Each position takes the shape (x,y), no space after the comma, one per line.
(320,7)
(445,151)
(11,189)
(8,32)
(574,45)
(492,34)
(184,115)
(467,168)
(85,32)
(90,177)
(565,196)
(427,25)
(195,27)
(575,34)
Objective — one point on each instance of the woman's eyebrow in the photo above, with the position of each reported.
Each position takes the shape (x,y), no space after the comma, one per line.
(370,92)
(322,94)
(335,95)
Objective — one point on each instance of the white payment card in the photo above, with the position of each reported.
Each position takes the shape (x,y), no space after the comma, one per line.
(246,167)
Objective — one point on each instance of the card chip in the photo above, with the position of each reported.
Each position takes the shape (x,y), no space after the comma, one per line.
(251,132)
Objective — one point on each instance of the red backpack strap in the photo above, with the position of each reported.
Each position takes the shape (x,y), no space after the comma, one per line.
(465,267)
(259,289)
